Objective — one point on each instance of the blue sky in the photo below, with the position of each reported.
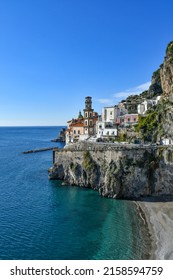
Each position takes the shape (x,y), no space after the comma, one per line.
(53,53)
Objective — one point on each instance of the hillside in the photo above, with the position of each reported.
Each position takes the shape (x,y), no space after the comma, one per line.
(158,124)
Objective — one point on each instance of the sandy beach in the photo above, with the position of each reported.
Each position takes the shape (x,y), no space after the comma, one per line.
(159,216)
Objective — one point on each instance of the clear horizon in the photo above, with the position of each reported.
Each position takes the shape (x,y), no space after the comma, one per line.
(55,53)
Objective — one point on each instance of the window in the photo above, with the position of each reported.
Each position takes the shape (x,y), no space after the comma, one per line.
(86,115)
(78,131)
(74,131)
(128,119)
(86,122)
(90,115)
(91,123)
(100,126)
(134,119)
(111,113)
(122,120)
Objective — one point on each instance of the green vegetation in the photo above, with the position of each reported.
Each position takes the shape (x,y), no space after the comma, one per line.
(151,127)
(156,74)
(122,137)
(170,47)
(161,152)
(147,125)
(169,156)
(88,162)
(74,167)
(170,50)
(144,94)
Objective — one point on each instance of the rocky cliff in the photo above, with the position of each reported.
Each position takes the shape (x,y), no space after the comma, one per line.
(158,123)
(161,81)
(128,171)
(166,106)
(116,171)
(156,86)
(166,71)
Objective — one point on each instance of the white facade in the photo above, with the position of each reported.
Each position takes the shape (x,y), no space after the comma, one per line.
(167,141)
(147,104)
(158,99)
(141,109)
(106,125)
(109,114)
(107,132)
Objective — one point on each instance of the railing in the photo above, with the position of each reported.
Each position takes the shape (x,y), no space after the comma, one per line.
(90,146)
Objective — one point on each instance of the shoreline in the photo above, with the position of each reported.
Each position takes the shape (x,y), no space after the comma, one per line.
(159,218)
(147,231)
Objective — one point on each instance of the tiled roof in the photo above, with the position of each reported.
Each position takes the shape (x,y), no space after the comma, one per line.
(77,125)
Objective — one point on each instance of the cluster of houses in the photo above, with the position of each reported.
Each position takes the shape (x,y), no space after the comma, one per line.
(147,104)
(90,125)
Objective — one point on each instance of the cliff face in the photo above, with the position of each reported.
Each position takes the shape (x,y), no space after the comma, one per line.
(166,71)
(165,117)
(165,109)
(128,172)
(159,121)
(162,79)
(156,86)
(114,171)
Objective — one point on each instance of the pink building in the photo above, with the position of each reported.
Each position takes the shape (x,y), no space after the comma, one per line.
(127,119)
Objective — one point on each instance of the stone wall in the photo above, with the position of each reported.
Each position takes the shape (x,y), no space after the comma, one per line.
(116,171)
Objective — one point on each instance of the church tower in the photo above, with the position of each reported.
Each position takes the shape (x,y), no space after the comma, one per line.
(88,117)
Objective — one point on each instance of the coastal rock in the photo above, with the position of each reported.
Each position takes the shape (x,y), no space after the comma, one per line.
(166,71)
(157,124)
(156,86)
(116,171)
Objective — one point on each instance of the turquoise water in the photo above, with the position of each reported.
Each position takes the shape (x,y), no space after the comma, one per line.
(40,219)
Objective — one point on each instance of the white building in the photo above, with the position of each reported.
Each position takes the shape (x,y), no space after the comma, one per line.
(147,104)
(106,125)
(110,114)
(167,141)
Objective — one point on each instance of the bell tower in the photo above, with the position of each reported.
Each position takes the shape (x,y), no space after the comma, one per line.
(88,117)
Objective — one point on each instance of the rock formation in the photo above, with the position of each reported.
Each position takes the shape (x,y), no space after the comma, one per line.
(116,171)
(159,120)
(128,171)
(166,71)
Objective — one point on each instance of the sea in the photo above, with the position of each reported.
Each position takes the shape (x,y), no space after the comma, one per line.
(40,219)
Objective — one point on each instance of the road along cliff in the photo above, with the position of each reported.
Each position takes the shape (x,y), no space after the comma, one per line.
(118,171)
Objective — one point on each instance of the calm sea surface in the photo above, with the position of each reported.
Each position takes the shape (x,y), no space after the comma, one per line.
(40,219)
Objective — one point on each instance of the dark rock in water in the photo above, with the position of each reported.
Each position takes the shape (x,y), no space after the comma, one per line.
(61,136)
(58,140)
(40,150)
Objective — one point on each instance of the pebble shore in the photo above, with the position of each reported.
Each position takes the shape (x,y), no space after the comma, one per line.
(159,216)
